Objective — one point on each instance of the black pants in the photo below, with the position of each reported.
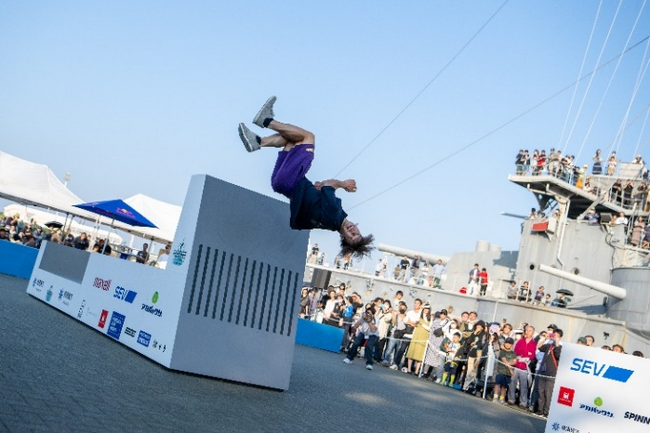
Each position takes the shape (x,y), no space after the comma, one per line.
(545,392)
(400,352)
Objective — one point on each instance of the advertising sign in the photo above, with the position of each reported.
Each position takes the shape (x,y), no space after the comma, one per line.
(600,391)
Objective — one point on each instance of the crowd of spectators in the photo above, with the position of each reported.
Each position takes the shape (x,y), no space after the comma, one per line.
(15,230)
(627,194)
(452,351)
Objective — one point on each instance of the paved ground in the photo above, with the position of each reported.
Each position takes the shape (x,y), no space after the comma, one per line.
(57,374)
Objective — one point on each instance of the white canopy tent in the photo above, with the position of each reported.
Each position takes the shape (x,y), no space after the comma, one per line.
(34,184)
(164,215)
(43,217)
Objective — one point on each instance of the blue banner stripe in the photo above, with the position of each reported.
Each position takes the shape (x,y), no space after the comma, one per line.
(618,374)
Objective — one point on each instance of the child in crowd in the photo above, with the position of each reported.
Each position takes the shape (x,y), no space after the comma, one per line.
(451,360)
(507,359)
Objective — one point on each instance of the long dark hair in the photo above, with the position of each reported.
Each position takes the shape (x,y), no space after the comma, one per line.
(358,249)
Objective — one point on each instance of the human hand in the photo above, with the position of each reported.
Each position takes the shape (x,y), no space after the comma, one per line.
(318,185)
(350,185)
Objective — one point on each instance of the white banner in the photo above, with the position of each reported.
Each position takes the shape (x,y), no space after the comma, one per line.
(600,391)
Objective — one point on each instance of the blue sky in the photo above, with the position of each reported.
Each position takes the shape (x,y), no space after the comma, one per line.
(136,97)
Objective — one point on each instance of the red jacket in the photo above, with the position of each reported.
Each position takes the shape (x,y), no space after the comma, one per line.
(484,277)
(523,349)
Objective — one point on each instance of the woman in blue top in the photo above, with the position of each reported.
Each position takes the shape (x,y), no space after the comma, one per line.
(313,205)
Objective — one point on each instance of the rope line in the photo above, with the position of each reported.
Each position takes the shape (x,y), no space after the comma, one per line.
(519,116)
(584,96)
(423,89)
(637,84)
(575,88)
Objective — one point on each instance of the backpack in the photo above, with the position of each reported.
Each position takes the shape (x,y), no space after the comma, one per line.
(438,332)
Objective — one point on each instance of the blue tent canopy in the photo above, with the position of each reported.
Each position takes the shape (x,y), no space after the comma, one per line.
(118,210)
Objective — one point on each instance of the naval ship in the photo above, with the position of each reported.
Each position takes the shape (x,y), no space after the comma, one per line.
(592,260)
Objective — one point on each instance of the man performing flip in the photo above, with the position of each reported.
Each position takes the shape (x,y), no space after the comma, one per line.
(313,206)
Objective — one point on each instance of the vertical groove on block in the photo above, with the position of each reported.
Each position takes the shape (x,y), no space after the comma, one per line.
(216,296)
(206,264)
(211,284)
(196,273)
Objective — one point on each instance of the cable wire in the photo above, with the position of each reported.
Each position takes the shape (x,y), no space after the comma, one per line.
(524,113)
(584,96)
(611,80)
(575,88)
(423,89)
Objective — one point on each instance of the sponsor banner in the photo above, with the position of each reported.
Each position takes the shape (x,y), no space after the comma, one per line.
(599,391)
(115,326)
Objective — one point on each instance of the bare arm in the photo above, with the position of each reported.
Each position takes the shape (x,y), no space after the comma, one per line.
(349,185)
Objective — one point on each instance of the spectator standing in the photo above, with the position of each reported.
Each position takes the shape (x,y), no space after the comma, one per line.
(419,340)
(598,161)
(438,270)
(507,359)
(616,192)
(304,302)
(143,255)
(474,350)
(526,162)
(638,232)
(541,162)
(415,267)
(539,296)
(473,279)
(519,163)
(380,268)
(384,320)
(403,267)
(611,164)
(548,371)
(434,357)
(628,189)
(483,277)
(394,342)
(525,349)
(314,254)
(553,162)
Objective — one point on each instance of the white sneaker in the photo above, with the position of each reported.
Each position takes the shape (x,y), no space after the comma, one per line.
(250,139)
(404,370)
(369,367)
(438,381)
(347,361)
(393,367)
(266,112)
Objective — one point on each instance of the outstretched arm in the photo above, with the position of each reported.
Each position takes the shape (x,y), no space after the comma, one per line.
(349,185)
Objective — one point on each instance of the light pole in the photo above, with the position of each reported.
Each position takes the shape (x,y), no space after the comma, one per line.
(66,178)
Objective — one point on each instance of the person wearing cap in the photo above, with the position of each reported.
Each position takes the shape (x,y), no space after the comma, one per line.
(582,341)
(507,359)
(474,350)
(525,349)
(548,371)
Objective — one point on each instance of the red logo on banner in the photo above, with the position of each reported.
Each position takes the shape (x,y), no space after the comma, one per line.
(565,397)
(102,319)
